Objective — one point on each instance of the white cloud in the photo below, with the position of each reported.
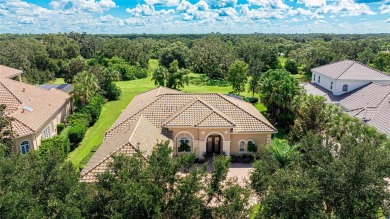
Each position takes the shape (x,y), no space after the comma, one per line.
(262,13)
(79,6)
(162,2)
(346,8)
(222,3)
(388,20)
(385,7)
(269,3)
(141,10)
(312,3)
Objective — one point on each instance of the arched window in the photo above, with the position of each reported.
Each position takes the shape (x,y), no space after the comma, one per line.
(345,87)
(184,143)
(242,146)
(24,147)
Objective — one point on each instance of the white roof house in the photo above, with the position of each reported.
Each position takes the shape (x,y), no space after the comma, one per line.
(360,91)
(345,76)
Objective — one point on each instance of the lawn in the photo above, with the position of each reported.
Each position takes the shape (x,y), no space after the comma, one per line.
(111,111)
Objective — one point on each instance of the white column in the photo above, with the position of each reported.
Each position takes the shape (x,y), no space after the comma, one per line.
(226,147)
(195,146)
(202,148)
(269,139)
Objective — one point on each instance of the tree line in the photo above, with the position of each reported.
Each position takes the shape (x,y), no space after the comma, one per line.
(44,57)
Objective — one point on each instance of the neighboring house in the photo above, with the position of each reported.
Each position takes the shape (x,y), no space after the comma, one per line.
(62,87)
(345,76)
(367,96)
(36,112)
(11,73)
(199,123)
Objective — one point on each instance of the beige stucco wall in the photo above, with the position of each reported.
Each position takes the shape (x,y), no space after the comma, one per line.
(259,139)
(228,140)
(35,139)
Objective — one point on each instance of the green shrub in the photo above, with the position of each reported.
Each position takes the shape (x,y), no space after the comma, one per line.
(93,108)
(79,118)
(127,71)
(251,99)
(141,73)
(60,127)
(112,92)
(252,147)
(60,143)
(76,134)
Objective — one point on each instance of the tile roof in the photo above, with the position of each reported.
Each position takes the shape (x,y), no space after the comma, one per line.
(7,72)
(351,70)
(31,106)
(370,103)
(140,134)
(315,89)
(157,109)
(198,113)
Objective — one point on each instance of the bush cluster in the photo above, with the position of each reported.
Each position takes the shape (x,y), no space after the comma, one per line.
(83,118)
(251,99)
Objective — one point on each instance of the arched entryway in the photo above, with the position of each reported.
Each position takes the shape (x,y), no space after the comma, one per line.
(214,144)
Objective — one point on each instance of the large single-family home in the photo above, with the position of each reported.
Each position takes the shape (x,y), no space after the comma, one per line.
(35,111)
(360,91)
(345,76)
(207,123)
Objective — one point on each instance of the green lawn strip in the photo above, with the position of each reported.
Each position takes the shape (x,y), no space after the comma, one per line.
(110,113)
(57,81)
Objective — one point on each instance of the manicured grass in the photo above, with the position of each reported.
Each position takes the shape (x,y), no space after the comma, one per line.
(57,81)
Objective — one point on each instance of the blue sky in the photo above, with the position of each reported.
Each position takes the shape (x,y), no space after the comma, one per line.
(195,16)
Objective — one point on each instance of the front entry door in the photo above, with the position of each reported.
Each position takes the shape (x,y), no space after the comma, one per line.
(214,144)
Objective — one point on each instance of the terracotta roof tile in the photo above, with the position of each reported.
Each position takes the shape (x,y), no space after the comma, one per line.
(29,104)
(8,72)
(140,134)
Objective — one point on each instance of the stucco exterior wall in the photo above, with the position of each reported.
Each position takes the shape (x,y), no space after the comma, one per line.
(259,139)
(352,85)
(35,139)
(325,81)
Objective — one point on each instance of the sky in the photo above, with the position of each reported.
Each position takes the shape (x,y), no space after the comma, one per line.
(195,16)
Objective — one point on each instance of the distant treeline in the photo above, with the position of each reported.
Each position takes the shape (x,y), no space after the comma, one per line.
(46,56)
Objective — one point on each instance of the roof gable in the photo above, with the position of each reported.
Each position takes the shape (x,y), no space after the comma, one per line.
(351,70)
(140,134)
(199,113)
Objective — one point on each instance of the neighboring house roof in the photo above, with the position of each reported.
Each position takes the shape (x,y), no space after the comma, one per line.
(63,87)
(141,134)
(351,70)
(370,103)
(29,105)
(7,72)
(315,89)
(157,108)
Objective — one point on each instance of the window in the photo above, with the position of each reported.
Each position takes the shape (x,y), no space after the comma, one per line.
(46,133)
(242,146)
(184,142)
(331,85)
(24,147)
(314,77)
(345,87)
(319,79)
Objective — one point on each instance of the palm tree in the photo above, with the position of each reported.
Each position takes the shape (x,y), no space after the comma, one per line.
(282,151)
(85,86)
